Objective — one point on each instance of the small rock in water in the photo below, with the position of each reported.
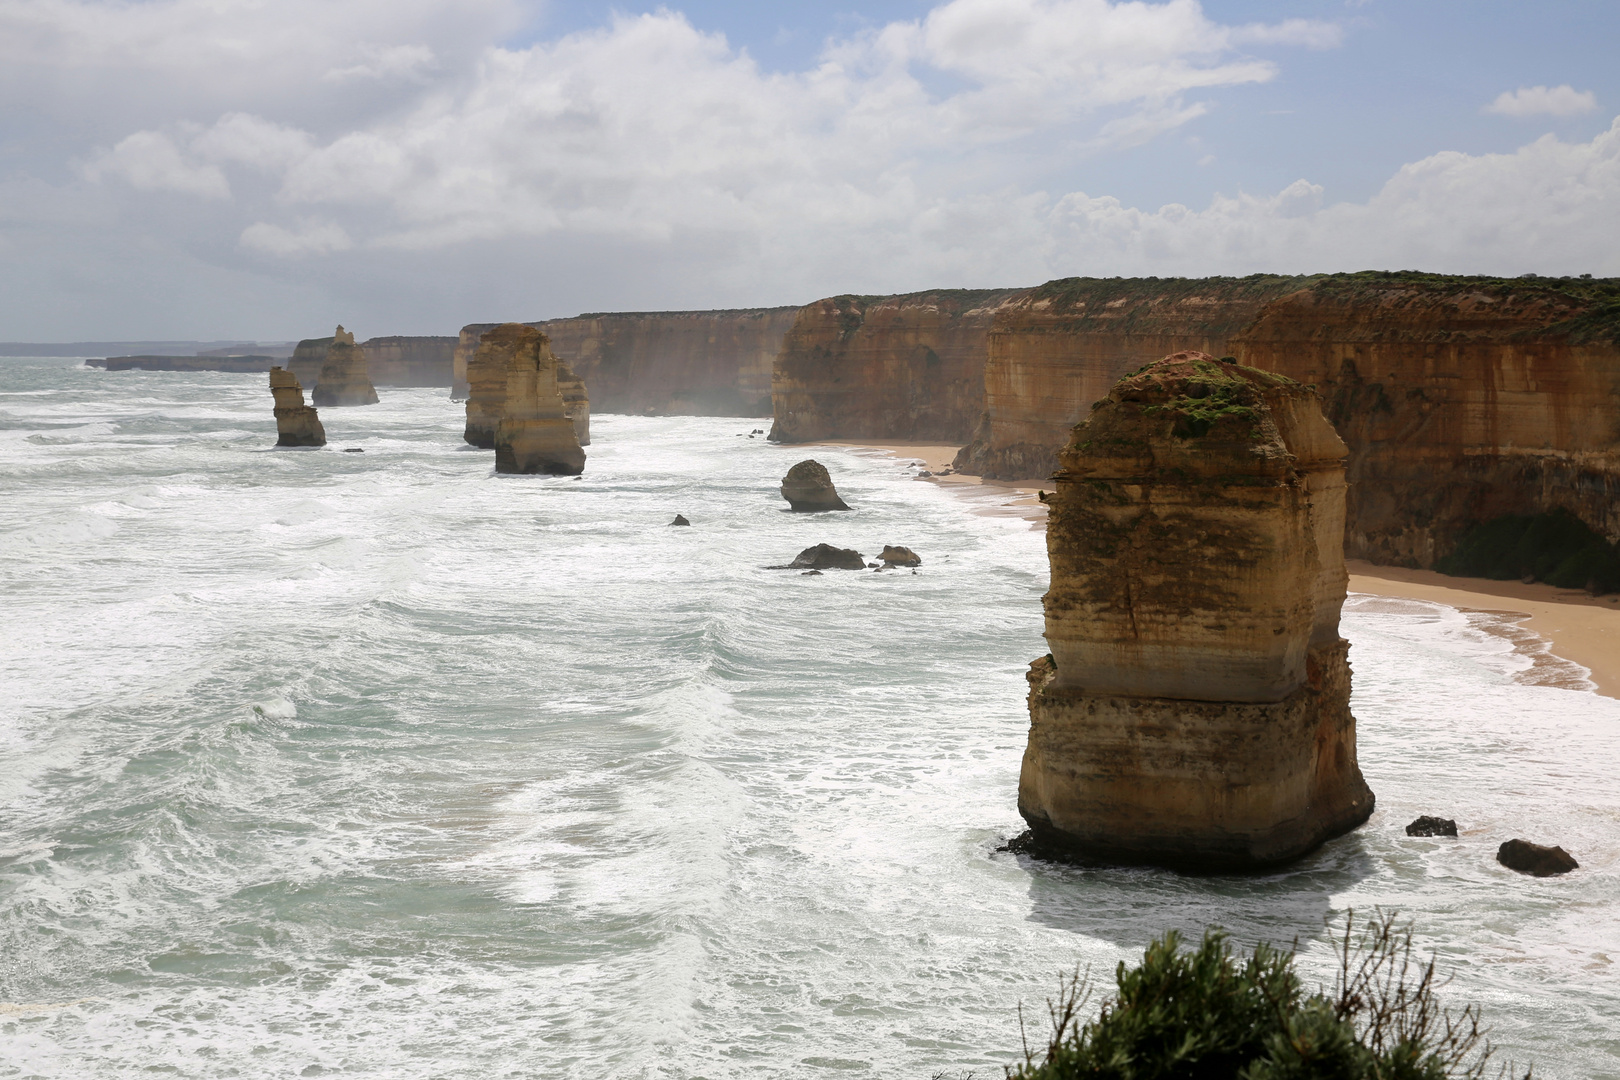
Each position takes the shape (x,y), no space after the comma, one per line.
(811,573)
(680,519)
(825,557)
(808,487)
(924,474)
(1432,826)
(353,450)
(894,555)
(758,431)
(1534,859)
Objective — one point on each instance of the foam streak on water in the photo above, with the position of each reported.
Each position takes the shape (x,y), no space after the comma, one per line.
(381,765)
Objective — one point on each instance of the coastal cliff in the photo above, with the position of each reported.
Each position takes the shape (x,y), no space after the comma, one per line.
(885,367)
(1052,351)
(1194,709)
(390,361)
(663,363)
(1462,399)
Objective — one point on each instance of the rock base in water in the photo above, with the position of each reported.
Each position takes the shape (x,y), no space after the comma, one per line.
(296,423)
(808,488)
(1128,779)
(1535,859)
(1432,826)
(825,557)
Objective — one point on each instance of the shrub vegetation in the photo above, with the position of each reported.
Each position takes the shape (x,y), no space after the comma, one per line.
(1204,1014)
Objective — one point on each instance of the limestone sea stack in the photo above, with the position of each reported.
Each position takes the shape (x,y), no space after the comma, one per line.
(296,423)
(533,433)
(1194,710)
(344,378)
(576,403)
(808,488)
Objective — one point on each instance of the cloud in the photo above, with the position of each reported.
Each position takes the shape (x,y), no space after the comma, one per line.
(1543,101)
(310,239)
(387,62)
(150,161)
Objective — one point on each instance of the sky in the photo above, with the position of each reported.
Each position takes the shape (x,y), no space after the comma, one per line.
(266,169)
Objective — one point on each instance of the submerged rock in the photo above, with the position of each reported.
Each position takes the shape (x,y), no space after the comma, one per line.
(297,424)
(1535,859)
(680,519)
(825,557)
(1194,709)
(344,378)
(533,433)
(1432,826)
(899,556)
(808,488)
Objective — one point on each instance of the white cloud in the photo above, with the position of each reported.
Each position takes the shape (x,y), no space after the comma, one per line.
(309,239)
(1543,101)
(150,161)
(386,62)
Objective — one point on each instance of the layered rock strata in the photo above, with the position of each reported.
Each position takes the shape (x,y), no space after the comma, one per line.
(1194,710)
(489,378)
(885,367)
(808,488)
(344,378)
(1050,352)
(306,360)
(297,424)
(533,433)
(410,361)
(1462,399)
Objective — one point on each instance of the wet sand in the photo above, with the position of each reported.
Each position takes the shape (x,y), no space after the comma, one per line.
(1577,627)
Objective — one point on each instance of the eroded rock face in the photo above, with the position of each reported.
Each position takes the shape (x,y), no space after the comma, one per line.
(533,433)
(1053,350)
(576,402)
(297,424)
(892,367)
(1195,707)
(344,378)
(808,488)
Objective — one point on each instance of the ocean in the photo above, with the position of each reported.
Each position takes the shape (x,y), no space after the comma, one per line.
(379,764)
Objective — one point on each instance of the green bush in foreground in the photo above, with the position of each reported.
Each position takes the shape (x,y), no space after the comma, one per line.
(1204,1014)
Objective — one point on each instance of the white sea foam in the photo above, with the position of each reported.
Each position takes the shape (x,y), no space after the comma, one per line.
(380,763)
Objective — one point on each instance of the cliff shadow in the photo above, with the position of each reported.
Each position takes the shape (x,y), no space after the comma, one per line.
(1129,906)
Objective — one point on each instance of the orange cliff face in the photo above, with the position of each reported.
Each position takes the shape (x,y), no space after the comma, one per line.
(893,367)
(1054,350)
(664,363)
(1461,399)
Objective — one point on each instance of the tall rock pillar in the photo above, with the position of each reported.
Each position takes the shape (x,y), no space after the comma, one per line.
(516,403)
(344,379)
(296,423)
(1195,708)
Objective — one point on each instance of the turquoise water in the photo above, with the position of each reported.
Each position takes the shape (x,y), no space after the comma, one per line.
(379,764)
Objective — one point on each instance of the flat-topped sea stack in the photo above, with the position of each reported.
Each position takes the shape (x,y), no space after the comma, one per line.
(344,378)
(532,431)
(808,488)
(296,423)
(1194,710)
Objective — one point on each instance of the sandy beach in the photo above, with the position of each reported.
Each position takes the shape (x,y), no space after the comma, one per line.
(1581,628)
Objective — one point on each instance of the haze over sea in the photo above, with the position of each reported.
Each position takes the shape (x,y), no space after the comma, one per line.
(379,764)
